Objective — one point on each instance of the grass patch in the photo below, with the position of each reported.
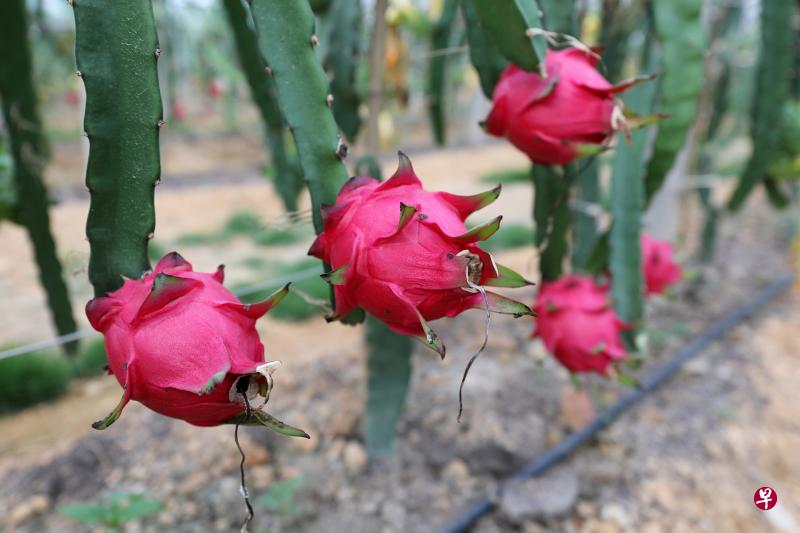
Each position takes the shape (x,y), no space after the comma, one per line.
(509,175)
(32,378)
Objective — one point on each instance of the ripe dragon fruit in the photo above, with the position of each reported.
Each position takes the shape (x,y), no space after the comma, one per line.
(186,347)
(660,269)
(405,255)
(557,119)
(578,325)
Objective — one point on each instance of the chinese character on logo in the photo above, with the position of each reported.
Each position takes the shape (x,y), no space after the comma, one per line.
(765,498)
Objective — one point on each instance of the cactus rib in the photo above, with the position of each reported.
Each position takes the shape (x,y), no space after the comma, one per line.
(116,48)
(286,175)
(286,39)
(29,151)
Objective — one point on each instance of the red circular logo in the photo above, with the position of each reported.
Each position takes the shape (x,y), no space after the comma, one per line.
(765,498)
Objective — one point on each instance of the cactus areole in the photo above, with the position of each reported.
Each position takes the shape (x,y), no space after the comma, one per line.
(186,347)
(578,325)
(569,114)
(405,255)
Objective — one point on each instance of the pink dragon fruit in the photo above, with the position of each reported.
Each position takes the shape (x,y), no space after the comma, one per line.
(186,347)
(406,256)
(578,325)
(660,269)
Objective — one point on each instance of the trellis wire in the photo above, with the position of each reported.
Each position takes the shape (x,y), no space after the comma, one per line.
(84,333)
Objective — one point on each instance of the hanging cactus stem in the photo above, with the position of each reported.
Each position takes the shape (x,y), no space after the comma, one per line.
(286,175)
(29,151)
(515,27)
(441,39)
(114,44)
(489,63)
(285,30)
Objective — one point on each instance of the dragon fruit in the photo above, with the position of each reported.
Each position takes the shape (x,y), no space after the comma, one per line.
(557,119)
(578,325)
(183,345)
(405,255)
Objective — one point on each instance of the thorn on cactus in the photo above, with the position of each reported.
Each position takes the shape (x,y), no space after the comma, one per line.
(329,100)
(78,73)
(268,70)
(157,53)
(314,41)
(161,123)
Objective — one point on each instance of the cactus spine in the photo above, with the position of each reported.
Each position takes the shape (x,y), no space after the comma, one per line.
(286,175)
(116,47)
(287,41)
(29,152)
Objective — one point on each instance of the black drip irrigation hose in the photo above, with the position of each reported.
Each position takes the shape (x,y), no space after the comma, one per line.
(470,516)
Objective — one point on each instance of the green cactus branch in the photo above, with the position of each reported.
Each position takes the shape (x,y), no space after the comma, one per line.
(441,38)
(287,41)
(560,16)
(679,28)
(341,62)
(487,60)
(771,91)
(286,175)
(29,151)
(585,230)
(515,28)
(552,218)
(627,202)
(116,48)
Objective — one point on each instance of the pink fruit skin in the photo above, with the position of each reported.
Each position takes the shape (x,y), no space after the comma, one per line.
(660,268)
(179,350)
(401,272)
(578,325)
(549,118)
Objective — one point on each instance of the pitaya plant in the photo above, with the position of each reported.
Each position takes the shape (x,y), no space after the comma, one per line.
(406,256)
(185,346)
(28,203)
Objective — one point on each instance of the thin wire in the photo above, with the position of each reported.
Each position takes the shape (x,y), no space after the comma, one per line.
(85,333)
(243,486)
(480,350)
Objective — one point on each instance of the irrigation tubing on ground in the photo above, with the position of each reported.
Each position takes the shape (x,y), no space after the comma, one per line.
(569,444)
(83,333)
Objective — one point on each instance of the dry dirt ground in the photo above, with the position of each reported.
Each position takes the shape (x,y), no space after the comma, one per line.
(687,459)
